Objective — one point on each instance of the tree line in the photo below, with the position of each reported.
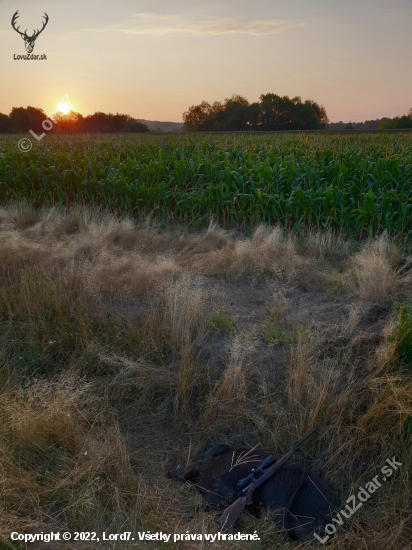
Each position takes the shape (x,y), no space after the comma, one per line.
(385,123)
(23,119)
(271,112)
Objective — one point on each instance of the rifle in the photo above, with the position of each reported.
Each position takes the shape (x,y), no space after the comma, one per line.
(247,485)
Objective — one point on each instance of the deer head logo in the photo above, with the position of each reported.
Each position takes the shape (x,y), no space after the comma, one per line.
(28,40)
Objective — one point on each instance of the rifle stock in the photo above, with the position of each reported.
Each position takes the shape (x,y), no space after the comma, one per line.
(233,512)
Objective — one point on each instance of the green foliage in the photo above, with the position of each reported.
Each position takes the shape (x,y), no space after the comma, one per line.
(257,282)
(403,333)
(5,124)
(354,183)
(273,334)
(402,122)
(29,360)
(136,127)
(223,324)
(271,113)
(272,331)
(299,332)
(108,123)
(378,124)
(24,119)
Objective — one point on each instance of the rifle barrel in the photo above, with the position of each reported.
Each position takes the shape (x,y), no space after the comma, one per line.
(305,438)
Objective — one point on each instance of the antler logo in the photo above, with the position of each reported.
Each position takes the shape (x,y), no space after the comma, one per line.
(28,40)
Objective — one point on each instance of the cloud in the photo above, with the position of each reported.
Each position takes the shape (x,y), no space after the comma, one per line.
(103,29)
(151,23)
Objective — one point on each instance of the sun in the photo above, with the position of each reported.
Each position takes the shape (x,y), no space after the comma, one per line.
(63,108)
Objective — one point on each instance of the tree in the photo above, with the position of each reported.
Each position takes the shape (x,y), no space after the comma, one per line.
(217,115)
(402,122)
(5,124)
(272,112)
(269,106)
(70,123)
(253,116)
(320,113)
(25,119)
(136,127)
(235,111)
(103,122)
(304,117)
(283,113)
(198,117)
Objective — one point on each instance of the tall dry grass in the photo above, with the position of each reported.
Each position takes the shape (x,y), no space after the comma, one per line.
(375,273)
(101,323)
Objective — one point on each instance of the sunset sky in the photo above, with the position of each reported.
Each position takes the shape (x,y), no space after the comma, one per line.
(152,59)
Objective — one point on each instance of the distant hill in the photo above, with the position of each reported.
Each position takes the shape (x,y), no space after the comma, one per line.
(158,126)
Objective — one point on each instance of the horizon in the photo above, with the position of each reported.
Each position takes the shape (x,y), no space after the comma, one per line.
(154,61)
(163,121)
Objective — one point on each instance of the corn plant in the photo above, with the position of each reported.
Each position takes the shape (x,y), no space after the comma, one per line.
(358,183)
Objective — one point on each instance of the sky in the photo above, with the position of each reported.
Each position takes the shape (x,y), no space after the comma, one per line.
(153,59)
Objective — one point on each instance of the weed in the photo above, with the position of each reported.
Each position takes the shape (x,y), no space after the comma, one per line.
(301,333)
(274,335)
(257,282)
(403,332)
(223,324)
(29,360)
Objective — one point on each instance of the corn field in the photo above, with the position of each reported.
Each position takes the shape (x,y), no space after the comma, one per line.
(348,182)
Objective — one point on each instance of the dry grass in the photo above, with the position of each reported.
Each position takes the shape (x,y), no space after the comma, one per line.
(268,249)
(101,325)
(374,273)
(229,402)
